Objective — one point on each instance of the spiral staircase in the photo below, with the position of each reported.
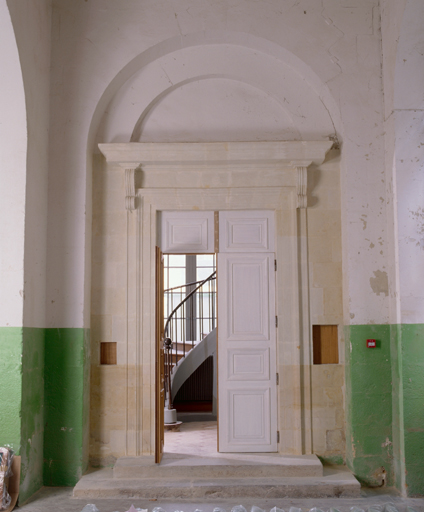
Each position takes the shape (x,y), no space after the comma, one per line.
(190,363)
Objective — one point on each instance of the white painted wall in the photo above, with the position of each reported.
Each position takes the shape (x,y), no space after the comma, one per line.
(391,19)
(32,26)
(13,152)
(403,44)
(409,129)
(100,49)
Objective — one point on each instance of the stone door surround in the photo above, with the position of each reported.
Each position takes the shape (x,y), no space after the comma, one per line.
(217,176)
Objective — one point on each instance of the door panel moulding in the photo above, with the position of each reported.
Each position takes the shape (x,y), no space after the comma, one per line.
(217,176)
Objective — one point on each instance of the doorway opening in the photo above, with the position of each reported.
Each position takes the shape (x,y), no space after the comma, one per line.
(247,324)
(190,318)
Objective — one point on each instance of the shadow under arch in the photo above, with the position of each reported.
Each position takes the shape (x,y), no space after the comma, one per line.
(138,128)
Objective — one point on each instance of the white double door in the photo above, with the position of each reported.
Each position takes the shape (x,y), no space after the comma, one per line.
(246,333)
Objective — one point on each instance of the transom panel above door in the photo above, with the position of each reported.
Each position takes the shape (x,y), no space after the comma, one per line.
(187,232)
(251,230)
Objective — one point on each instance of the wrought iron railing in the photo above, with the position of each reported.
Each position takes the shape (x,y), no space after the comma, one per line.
(190,315)
(192,318)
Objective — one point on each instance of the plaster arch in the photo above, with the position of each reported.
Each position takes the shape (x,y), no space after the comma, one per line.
(24,61)
(13,156)
(249,59)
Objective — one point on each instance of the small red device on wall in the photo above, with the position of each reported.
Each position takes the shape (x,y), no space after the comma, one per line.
(370,343)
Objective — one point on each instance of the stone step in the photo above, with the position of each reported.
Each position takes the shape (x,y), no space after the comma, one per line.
(221,466)
(334,483)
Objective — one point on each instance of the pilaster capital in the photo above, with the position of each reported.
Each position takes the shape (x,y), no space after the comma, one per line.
(130,197)
(301,167)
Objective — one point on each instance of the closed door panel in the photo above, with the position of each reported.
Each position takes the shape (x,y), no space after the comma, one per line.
(247,353)
(249,418)
(245,364)
(247,297)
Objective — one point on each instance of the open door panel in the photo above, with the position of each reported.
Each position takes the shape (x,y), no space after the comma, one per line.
(160,364)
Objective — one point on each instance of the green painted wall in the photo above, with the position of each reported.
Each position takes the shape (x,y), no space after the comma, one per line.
(397,408)
(412,353)
(11,339)
(385,405)
(369,404)
(44,403)
(66,395)
(32,412)
(21,401)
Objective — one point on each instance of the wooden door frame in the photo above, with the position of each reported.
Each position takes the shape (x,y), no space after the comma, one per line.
(159,363)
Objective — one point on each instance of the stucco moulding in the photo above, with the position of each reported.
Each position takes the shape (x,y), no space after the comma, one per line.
(210,154)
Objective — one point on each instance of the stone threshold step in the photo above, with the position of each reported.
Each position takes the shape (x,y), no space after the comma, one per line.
(228,466)
(336,484)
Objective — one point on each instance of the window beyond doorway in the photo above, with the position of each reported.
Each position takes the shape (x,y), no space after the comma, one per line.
(182,274)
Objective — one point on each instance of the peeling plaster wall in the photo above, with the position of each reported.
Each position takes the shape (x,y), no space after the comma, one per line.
(404,105)
(336,42)
(408,111)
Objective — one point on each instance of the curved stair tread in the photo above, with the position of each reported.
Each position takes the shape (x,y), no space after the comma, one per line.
(192,361)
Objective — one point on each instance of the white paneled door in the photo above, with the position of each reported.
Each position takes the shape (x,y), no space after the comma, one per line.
(247,336)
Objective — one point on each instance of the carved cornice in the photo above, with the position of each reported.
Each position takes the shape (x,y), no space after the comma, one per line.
(131,154)
(171,165)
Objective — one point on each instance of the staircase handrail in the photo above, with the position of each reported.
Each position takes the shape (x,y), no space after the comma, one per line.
(183,286)
(177,307)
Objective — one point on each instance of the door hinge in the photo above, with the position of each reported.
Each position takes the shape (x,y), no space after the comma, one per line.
(276,321)
(275,265)
(277,378)
(278,436)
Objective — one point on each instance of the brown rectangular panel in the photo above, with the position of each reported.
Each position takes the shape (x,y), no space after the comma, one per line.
(325,344)
(108,352)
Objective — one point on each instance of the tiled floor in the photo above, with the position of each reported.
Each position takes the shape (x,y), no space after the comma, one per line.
(195,438)
(196,443)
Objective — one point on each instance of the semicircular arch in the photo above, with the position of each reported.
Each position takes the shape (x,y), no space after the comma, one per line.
(257,62)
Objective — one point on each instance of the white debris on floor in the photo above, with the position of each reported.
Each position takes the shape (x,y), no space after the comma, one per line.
(240,508)
(90,508)
(54,499)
